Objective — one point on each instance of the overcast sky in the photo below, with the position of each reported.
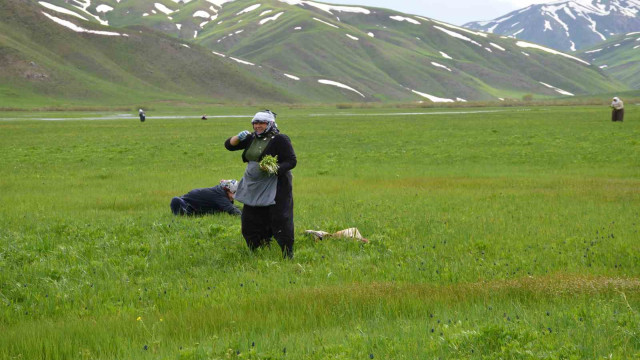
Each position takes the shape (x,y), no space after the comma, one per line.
(455,12)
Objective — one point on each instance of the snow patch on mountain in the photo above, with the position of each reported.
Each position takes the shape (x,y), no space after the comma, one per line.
(84,5)
(163,8)
(558,90)
(62,10)
(352,37)
(444,55)
(292,77)
(552,12)
(534,46)
(219,3)
(271,18)
(343,86)
(249,9)
(241,61)
(103,8)
(76,28)
(431,97)
(404,18)
(201,14)
(327,7)
(461,29)
(456,35)
(440,66)
(326,23)
(497,46)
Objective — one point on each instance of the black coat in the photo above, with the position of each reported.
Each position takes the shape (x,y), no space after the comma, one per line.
(210,200)
(279,146)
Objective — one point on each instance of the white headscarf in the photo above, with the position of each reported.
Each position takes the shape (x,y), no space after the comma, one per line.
(617,103)
(266,116)
(231,185)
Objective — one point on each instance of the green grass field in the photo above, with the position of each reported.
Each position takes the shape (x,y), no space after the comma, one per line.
(506,233)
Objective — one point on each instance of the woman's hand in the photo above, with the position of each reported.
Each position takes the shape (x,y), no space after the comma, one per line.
(243,135)
(235,140)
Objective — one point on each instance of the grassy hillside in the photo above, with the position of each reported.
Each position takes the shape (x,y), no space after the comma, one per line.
(44,62)
(619,57)
(398,56)
(313,53)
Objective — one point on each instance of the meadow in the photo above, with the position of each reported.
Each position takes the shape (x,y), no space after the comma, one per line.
(495,233)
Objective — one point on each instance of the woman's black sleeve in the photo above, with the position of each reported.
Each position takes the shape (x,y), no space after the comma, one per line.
(242,145)
(286,156)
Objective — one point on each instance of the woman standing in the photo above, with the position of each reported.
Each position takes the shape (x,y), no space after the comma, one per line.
(617,112)
(267,198)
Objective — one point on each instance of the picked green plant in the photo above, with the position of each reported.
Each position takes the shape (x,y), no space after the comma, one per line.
(269,164)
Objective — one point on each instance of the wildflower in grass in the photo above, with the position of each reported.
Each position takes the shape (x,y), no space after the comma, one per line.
(269,164)
(139,318)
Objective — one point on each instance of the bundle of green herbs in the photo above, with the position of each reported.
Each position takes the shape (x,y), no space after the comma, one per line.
(269,164)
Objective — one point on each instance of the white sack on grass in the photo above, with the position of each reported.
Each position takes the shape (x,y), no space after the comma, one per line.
(350,233)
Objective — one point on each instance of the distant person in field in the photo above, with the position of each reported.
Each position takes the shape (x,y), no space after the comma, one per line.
(143,117)
(267,198)
(207,200)
(617,112)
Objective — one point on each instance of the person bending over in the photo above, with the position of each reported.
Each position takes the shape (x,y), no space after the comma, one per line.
(207,200)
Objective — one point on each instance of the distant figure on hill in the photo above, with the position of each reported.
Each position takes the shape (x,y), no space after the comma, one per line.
(207,200)
(143,117)
(617,112)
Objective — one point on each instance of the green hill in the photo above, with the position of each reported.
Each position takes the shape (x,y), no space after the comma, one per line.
(47,63)
(274,50)
(619,57)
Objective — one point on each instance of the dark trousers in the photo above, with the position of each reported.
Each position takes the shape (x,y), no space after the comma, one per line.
(617,115)
(260,223)
(180,207)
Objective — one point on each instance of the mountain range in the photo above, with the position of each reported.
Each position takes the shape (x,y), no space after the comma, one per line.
(270,50)
(566,25)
